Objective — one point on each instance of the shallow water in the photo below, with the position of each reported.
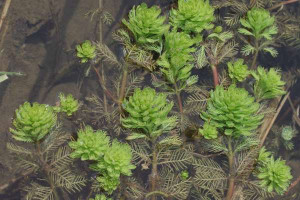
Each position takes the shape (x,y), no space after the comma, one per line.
(40,40)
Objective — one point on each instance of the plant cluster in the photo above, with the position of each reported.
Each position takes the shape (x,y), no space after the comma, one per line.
(175,157)
(148,114)
(176,58)
(268,84)
(192,16)
(147,26)
(111,160)
(67,104)
(86,51)
(48,155)
(273,174)
(238,71)
(33,122)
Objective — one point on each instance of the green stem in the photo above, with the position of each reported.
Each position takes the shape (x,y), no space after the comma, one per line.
(46,168)
(255,55)
(231,180)
(178,99)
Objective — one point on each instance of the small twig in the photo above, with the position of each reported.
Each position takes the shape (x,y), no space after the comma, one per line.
(265,133)
(282,3)
(4,12)
(13,180)
(295,117)
(293,185)
(101,81)
(207,156)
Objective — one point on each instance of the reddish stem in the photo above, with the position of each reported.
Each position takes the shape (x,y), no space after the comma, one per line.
(215,75)
(293,185)
(101,81)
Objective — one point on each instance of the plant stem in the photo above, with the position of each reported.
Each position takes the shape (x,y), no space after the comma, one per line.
(282,3)
(255,55)
(46,168)
(293,185)
(101,81)
(178,98)
(154,168)
(15,179)
(264,133)
(215,75)
(4,12)
(231,171)
(123,84)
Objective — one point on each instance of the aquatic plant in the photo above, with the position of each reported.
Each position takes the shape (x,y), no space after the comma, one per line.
(287,133)
(175,64)
(109,160)
(115,162)
(268,84)
(67,104)
(184,175)
(263,156)
(33,122)
(86,51)
(208,131)
(90,145)
(153,145)
(148,114)
(48,156)
(192,16)
(223,166)
(147,26)
(232,111)
(274,175)
(260,25)
(176,59)
(238,71)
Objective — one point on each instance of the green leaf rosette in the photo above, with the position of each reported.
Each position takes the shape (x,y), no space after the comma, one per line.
(268,84)
(275,175)
(33,122)
(232,111)
(116,161)
(259,24)
(86,51)
(147,26)
(238,71)
(192,16)
(68,104)
(176,60)
(90,145)
(148,113)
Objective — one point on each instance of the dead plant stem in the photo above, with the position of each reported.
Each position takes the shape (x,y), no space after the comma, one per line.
(265,133)
(282,3)
(154,169)
(4,12)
